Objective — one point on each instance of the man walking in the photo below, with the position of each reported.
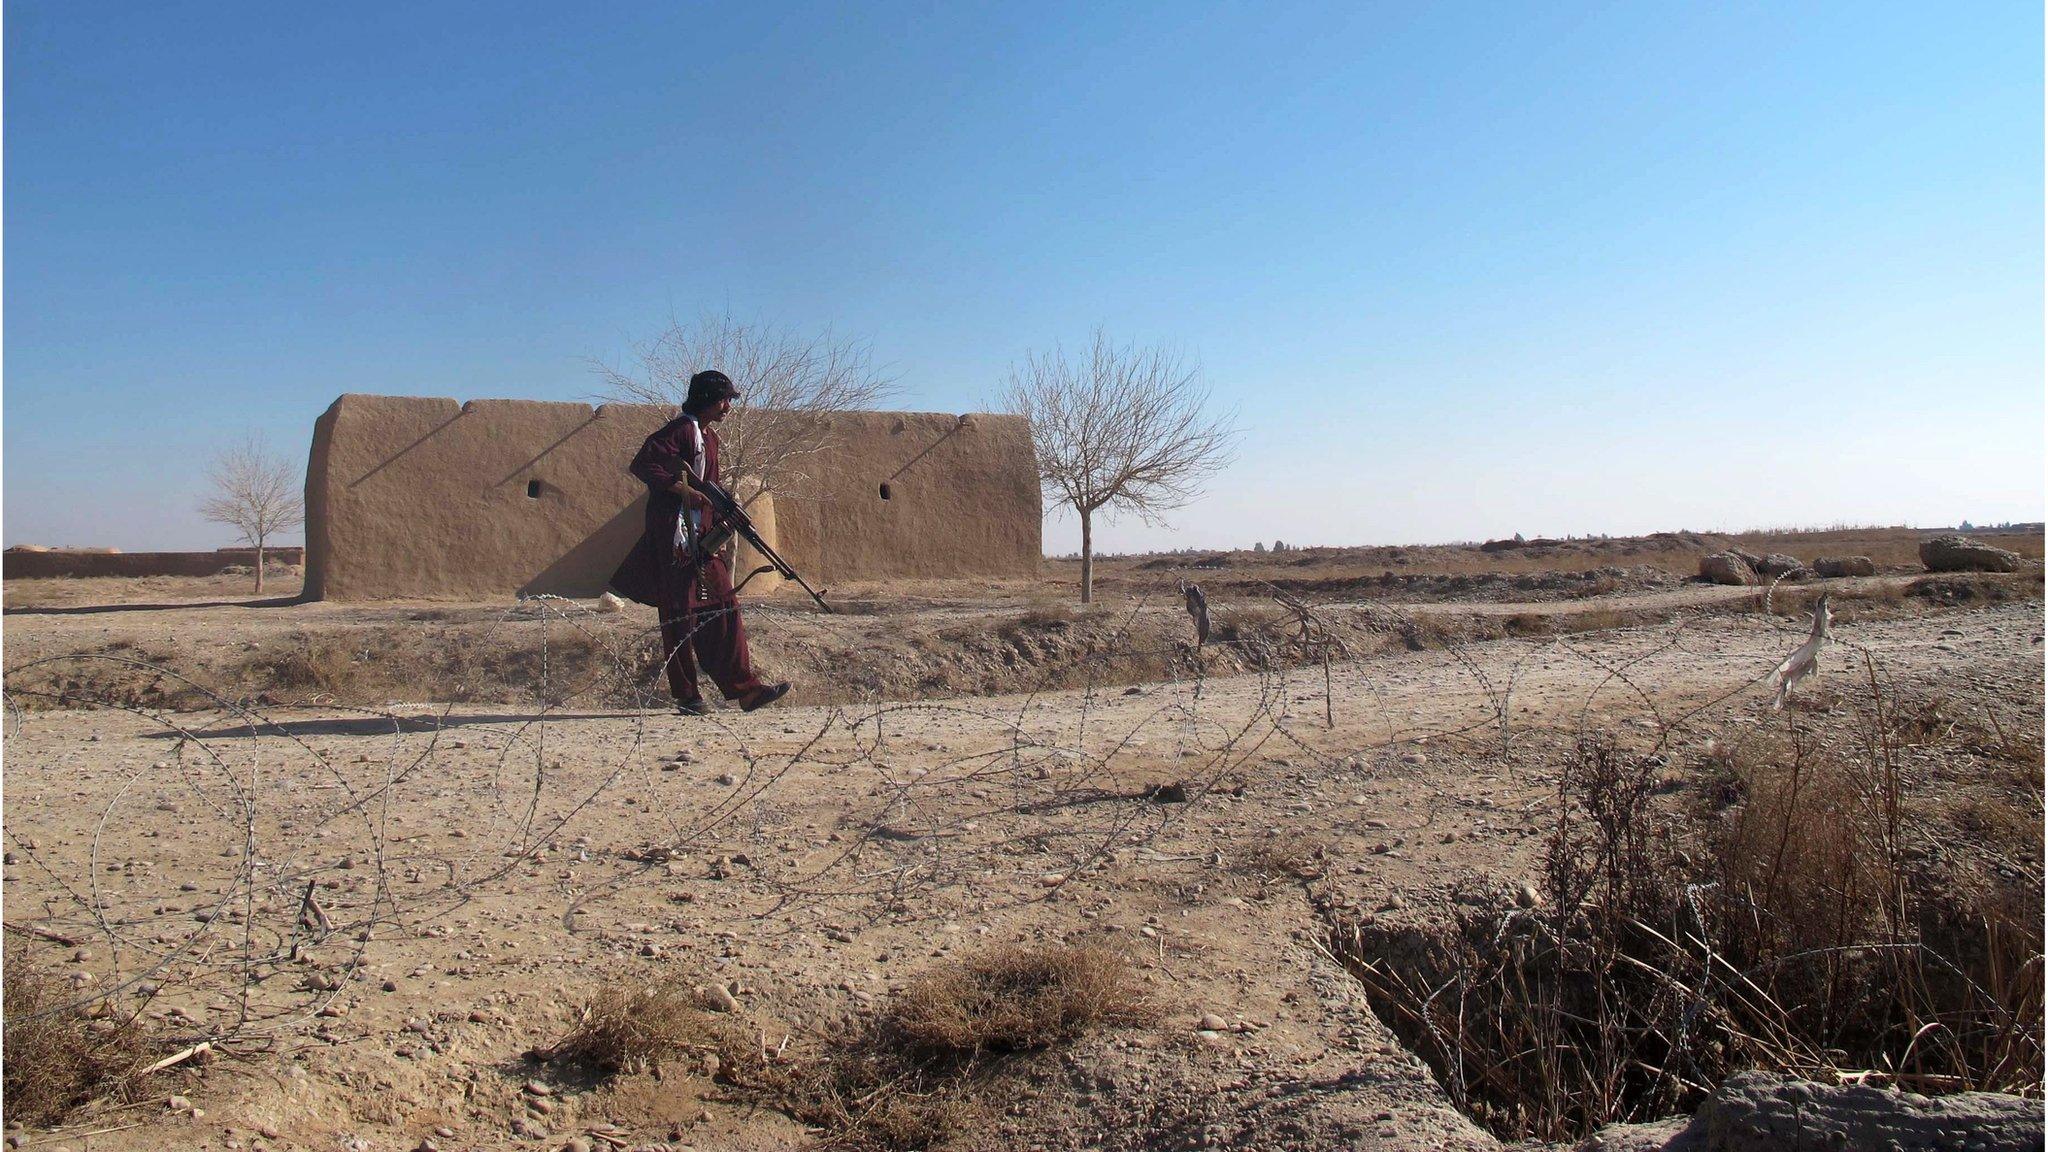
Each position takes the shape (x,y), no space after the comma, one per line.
(694,595)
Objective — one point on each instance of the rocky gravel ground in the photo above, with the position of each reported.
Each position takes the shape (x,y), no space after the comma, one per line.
(376,913)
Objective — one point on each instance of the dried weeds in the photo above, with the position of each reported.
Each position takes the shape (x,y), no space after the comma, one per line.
(60,1054)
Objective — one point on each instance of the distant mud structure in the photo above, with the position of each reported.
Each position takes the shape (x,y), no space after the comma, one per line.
(29,561)
(430,497)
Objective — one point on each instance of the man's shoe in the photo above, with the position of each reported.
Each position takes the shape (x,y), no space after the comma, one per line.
(763,696)
(695,707)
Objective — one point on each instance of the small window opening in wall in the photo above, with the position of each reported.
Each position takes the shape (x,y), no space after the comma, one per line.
(533,489)
(885,489)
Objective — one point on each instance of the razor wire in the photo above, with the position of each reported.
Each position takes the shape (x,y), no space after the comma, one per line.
(321,852)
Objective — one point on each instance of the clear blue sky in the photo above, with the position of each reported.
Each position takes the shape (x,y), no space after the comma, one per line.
(1465,270)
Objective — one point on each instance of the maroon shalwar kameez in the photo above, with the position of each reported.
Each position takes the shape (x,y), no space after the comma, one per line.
(697,605)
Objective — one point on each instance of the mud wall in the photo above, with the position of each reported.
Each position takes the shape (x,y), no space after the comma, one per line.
(418,497)
(26,564)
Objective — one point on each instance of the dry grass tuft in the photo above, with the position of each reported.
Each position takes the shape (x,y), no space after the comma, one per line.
(1014,1002)
(1288,856)
(1046,614)
(632,1025)
(928,1064)
(58,1055)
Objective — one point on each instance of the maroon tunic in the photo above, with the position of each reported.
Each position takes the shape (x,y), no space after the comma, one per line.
(696,601)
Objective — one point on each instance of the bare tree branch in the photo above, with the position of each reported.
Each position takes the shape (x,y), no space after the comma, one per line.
(255,493)
(787,381)
(1119,429)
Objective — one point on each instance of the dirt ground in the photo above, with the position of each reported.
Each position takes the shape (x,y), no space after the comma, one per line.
(378,891)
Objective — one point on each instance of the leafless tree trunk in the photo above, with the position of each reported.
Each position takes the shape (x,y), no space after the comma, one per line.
(1087,556)
(787,382)
(1118,429)
(254,493)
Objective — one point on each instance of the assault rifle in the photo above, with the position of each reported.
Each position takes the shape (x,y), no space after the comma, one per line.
(734,519)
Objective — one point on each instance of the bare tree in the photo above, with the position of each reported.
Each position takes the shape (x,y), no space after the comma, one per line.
(1118,429)
(255,493)
(787,381)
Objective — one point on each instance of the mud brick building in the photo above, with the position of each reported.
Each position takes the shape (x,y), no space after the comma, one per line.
(436,498)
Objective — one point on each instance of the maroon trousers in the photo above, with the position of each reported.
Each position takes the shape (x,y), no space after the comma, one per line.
(701,616)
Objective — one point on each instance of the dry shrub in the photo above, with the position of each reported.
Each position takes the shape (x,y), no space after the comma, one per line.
(1604,620)
(633,1024)
(1849,605)
(919,1071)
(1796,941)
(370,666)
(1978,587)
(1601,585)
(1802,850)
(1044,614)
(324,664)
(1421,633)
(58,1054)
(1254,627)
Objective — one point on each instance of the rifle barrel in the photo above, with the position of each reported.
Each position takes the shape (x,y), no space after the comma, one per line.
(736,518)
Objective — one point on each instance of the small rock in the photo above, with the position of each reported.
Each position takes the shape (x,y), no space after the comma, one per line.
(1210,1022)
(719,998)
(1526,896)
(728,779)
(537,1088)
(444,1132)
(427,1144)
(577,1144)
(521,1126)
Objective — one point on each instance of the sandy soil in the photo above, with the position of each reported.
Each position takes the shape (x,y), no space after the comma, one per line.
(483,867)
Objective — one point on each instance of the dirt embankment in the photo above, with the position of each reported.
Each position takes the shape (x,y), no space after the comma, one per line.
(1562,568)
(199,652)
